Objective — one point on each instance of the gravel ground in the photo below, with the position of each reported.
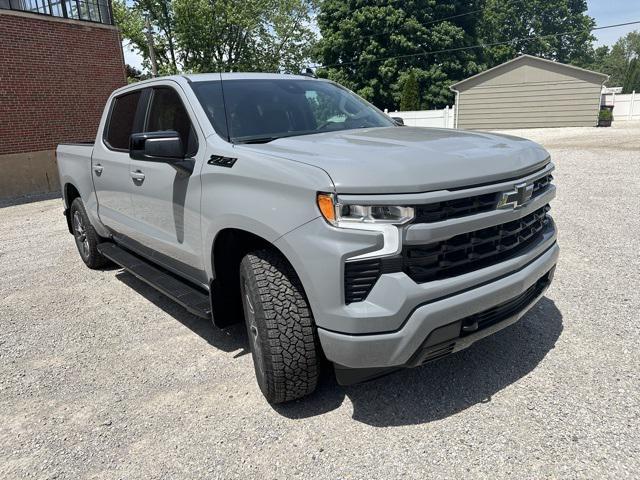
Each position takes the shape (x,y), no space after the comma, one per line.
(101,377)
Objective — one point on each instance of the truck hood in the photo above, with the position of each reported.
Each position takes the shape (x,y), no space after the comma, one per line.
(409,159)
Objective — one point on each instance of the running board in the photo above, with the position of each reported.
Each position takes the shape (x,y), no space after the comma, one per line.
(194,300)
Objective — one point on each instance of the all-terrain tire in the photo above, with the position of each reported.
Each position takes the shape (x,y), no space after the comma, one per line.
(85,235)
(280,327)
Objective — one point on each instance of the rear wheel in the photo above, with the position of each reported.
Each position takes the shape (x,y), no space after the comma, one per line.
(280,327)
(86,238)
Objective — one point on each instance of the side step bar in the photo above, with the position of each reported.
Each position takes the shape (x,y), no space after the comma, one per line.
(193,299)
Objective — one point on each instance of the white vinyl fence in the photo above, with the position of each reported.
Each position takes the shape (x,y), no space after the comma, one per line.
(625,107)
(444,118)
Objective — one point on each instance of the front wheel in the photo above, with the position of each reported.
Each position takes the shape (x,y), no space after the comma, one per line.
(87,239)
(280,326)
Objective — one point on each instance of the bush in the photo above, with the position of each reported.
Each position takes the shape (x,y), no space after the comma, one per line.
(605,115)
(410,99)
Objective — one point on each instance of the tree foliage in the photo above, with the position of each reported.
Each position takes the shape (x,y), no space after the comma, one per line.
(557,30)
(371,46)
(632,79)
(248,35)
(618,62)
(393,52)
(131,20)
(133,74)
(228,35)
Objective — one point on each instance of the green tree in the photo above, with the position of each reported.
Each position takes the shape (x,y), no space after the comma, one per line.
(616,61)
(410,99)
(600,55)
(133,74)
(632,79)
(562,30)
(371,46)
(131,24)
(518,21)
(131,19)
(229,35)
(247,35)
(162,19)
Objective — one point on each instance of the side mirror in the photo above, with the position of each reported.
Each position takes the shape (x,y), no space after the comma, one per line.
(398,120)
(164,146)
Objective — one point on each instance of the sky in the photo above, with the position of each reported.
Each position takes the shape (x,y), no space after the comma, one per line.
(606,12)
(131,57)
(609,12)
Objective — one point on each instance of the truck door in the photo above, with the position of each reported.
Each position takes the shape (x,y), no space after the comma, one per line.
(110,162)
(165,197)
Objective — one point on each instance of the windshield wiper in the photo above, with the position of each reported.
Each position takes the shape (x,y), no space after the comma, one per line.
(255,139)
(258,139)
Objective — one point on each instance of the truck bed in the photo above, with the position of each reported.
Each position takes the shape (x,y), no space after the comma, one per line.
(74,168)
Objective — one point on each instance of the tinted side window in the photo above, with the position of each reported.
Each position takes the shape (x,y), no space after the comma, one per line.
(168,113)
(121,121)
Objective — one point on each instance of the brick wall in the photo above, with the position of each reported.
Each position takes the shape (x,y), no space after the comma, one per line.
(55,76)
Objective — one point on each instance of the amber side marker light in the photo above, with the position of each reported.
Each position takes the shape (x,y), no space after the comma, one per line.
(327,207)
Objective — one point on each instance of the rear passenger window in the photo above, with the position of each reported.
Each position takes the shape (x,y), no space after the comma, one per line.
(121,121)
(168,113)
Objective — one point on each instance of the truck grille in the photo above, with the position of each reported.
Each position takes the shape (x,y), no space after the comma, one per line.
(474,250)
(461,207)
(455,256)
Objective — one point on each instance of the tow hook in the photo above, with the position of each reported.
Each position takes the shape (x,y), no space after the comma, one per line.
(469,325)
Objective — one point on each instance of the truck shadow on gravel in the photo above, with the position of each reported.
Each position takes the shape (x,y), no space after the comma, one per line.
(413,396)
(443,388)
(228,340)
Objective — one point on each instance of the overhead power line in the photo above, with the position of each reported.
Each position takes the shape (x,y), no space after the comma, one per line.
(471,47)
(431,22)
(450,17)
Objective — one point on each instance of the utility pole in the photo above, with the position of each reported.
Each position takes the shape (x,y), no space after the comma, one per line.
(152,51)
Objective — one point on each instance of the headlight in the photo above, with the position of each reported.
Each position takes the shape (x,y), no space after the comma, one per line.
(348,215)
(375,214)
(379,218)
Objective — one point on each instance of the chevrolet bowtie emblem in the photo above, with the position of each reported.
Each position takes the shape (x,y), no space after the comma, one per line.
(517,197)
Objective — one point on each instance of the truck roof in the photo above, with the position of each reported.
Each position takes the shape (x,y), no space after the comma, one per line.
(204,77)
(208,77)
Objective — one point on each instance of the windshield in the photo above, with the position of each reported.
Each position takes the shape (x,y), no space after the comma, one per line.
(262,110)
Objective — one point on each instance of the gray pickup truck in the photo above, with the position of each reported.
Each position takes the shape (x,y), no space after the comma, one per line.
(295,205)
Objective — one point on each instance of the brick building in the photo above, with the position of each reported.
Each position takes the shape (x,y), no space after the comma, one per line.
(59,61)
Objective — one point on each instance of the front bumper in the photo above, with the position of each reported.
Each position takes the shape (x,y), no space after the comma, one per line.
(399,318)
(435,328)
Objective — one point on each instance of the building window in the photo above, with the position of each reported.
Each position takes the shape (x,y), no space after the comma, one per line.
(89,10)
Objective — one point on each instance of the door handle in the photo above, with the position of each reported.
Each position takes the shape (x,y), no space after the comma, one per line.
(98,169)
(137,176)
